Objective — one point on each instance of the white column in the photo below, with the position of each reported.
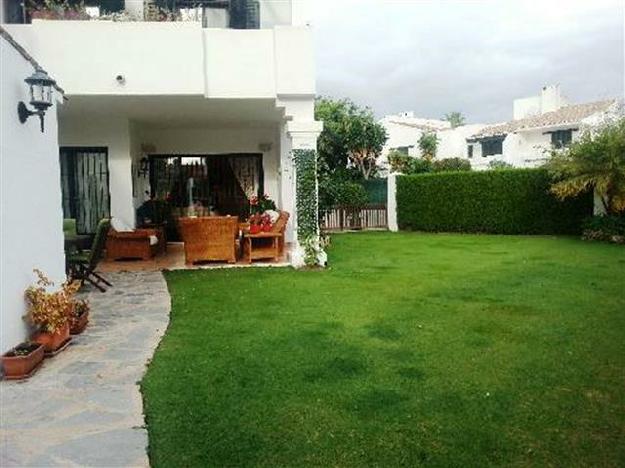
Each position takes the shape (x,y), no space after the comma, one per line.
(287,181)
(303,136)
(391,202)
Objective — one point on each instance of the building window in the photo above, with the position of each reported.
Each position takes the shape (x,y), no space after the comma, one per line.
(492,146)
(561,138)
(470,151)
(403,149)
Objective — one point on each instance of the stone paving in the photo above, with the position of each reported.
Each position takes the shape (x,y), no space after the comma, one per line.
(83,407)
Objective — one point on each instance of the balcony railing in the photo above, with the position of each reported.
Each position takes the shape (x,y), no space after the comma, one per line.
(233,14)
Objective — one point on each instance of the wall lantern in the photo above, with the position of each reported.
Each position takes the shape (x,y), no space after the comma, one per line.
(40,96)
(144,167)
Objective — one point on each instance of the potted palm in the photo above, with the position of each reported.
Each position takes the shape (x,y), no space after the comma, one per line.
(50,311)
(22,361)
(79,317)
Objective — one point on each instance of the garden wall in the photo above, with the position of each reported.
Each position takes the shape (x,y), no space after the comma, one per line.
(515,201)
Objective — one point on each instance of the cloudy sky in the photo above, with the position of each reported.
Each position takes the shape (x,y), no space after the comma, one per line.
(474,56)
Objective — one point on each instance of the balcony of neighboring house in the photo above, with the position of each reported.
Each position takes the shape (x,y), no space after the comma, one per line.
(224,14)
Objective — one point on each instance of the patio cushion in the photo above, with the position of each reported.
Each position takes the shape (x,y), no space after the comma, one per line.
(273,215)
(120,226)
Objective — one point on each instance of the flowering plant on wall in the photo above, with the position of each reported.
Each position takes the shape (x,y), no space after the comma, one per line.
(57,10)
(261,204)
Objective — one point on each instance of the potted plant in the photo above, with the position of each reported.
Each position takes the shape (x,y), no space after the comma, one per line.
(49,312)
(22,361)
(254,221)
(259,205)
(79,318)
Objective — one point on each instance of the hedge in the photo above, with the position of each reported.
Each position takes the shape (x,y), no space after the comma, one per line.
(509,201)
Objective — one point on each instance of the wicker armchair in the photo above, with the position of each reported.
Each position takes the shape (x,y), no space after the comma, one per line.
(267,245)
(209,238)
(134,244)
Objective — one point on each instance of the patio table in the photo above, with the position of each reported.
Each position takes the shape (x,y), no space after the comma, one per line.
(263,245)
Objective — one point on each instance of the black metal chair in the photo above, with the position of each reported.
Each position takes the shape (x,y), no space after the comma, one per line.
(81,266)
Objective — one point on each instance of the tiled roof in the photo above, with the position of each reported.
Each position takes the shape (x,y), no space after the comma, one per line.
(424,127)
(566,115)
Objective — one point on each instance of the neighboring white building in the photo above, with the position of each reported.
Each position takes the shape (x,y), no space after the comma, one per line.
(540,123)
(404,130)
(31,226)
(202,115)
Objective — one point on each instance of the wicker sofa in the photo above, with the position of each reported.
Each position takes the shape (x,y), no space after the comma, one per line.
(140,243)
(211,238)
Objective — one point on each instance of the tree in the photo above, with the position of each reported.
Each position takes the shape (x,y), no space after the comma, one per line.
(331,147)
(456,119)
(428,143)
(350,135)
(594,162)
(365,139)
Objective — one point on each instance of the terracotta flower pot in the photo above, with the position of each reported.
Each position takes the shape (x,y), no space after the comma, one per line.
(79,324)
(21,366)
(53,342)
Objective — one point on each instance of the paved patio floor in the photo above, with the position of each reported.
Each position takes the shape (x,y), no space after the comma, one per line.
(173,259)
(83,407)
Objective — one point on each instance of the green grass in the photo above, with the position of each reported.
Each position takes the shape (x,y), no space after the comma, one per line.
(441,350)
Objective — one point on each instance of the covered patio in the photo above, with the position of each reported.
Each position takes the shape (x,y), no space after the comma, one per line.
(173,259)
(152,161)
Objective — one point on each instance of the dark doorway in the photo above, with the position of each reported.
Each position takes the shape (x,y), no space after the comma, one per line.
(85,186)
(207,184)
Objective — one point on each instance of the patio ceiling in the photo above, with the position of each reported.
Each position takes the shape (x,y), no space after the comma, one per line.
(174,111)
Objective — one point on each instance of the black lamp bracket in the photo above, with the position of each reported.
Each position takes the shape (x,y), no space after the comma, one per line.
(23,112)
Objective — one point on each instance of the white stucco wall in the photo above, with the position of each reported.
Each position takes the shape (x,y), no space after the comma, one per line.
(452,143)
(114,134)
(176,58)
(31,227)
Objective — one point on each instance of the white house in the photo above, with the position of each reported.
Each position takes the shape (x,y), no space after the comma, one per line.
(404,130)
(31,231)
(196,111)
(539,123)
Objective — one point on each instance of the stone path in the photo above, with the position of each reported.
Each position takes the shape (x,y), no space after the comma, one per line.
(84,407)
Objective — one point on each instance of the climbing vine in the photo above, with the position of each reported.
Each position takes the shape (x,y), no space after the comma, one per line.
(307,202)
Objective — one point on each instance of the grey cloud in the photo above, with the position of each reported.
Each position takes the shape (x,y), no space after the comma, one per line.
(475,57)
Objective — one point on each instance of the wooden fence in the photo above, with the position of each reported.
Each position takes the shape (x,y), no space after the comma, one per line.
(346,218)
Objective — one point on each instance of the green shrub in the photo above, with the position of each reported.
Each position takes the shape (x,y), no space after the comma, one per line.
(609,228)
(497,164)
(451,164)
(351,194)
(405,164)
(507,201)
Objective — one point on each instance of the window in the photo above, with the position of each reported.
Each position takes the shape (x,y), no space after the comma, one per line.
(403,149)
(561,138)
(470,151)
(492,146)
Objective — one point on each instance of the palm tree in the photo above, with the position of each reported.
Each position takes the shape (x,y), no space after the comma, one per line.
(594,162)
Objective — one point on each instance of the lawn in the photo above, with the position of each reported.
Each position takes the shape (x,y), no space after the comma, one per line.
(441,350)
